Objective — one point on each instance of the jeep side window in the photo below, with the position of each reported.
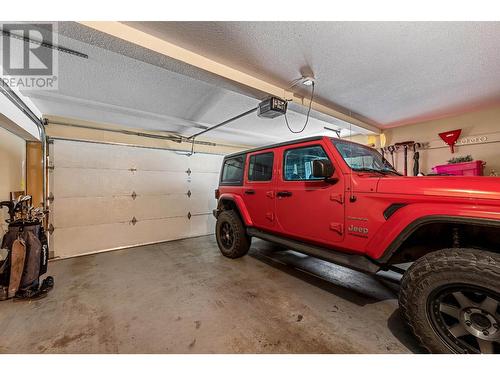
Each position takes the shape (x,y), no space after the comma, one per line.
(232,171)
(260,167)
(297,164)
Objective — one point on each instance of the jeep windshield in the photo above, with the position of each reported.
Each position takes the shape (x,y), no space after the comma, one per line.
(362,158)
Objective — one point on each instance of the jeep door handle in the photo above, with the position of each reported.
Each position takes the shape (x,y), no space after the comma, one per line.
(250,192)
(284,194)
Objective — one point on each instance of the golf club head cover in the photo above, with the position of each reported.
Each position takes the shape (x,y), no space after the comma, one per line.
(18,257)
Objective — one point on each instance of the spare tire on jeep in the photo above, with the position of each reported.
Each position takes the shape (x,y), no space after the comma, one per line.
(231,235)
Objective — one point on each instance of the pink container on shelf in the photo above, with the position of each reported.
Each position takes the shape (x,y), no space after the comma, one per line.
(470,168)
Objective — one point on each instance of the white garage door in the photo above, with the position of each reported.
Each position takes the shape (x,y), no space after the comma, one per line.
(112,196)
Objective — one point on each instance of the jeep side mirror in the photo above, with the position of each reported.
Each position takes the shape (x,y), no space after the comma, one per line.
(322,168)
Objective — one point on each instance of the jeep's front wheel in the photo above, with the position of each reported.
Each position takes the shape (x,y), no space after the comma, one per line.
(231,235)
(451,300)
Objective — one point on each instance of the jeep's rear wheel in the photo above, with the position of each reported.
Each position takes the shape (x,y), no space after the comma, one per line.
(451,300)
(231,235)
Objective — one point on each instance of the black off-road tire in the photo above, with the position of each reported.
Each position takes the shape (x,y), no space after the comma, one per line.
(448,270)
(230,225)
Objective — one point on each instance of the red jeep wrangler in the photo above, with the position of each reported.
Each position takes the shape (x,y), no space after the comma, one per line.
(344,203)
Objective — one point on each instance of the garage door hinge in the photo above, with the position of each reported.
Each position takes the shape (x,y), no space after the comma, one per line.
(189,193)
(189,172)
(133,221)
(50,229)
(189,215)
(133,195)
(50,167)
(132,170)
(50,198)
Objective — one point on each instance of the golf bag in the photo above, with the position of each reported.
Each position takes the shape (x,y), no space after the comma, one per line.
(25,259)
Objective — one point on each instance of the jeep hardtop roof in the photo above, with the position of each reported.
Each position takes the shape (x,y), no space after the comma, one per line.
(292,142)
(287,143)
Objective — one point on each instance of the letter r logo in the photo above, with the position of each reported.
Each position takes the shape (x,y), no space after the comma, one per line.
(25,49)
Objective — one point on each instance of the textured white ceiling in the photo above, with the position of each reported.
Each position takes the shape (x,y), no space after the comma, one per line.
(390,72)
(111,87)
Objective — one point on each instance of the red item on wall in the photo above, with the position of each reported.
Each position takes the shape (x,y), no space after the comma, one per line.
(450,138)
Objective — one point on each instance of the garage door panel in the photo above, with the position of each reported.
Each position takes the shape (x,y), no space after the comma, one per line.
(202,189)
(92,155)
(204,181)
(103,210)
(72,241)
(70,182)
(99,188)
(161,206)
(205,163)
(160,230)
(80,240)
(156,182)
(202,225)
(207,192)
(80,211)
(159,160)
(204,186)
(199,204)
(104,156)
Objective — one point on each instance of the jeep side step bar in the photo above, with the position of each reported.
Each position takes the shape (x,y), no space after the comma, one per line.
(357,262)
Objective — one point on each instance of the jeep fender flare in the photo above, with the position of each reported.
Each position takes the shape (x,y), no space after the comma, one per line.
(431,219)
(240,205)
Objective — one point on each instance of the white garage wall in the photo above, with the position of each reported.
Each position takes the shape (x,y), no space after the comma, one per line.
(479,123)
(474,124)
(12,168)
(94,207)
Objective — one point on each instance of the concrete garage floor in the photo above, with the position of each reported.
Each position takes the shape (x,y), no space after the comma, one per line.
(184,297)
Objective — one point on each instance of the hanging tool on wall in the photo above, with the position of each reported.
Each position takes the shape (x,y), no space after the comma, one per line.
(391,150)
(405,145)
(416,157)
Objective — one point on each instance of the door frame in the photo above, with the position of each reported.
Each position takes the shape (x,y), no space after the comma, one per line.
(262,185)
(312,184)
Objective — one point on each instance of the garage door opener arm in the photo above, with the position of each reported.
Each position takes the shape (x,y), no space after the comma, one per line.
(268,108)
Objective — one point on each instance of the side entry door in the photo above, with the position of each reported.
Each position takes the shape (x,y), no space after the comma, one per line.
(309,208)
(258,192)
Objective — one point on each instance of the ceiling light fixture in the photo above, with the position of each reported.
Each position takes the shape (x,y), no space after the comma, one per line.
(308,81)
